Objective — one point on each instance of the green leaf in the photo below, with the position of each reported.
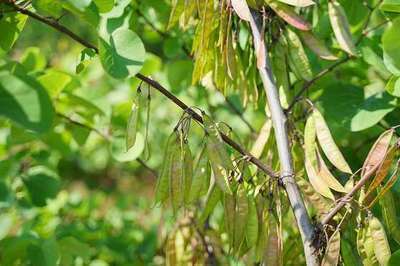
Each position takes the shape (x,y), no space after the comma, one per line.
(394,259)
(347,105)
(54,81)
(372,110)
(393,86)
(71,248)
(41,185)
(390,6)
(119,152)
(11,25)
(104,6)
(123,54)
(33,59)
(80,4)
(48,7)
(390,41)
(24,100)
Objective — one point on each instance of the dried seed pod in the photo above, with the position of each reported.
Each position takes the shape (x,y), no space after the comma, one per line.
(332,252)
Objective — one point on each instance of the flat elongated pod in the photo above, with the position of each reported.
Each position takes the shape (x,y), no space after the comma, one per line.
(297,56)
(262,139)
(176,182)
(316,45)
(241,213)
(229,215)
(326,175)
(318,183)
(332,252)
(178,7)
(341,28)
(381,244)
(378,152)
(298,3)
(289,15)
(187,172)
(390,216)
(219,159)
(365,246)
(317,201)
(170,250)
(252,224)
(214,195)
(328,145)
(132,125)
(162,188)
(200,178)
(381,173)
(273,253)
(241,9)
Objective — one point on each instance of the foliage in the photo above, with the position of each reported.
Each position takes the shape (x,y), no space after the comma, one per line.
(83,127)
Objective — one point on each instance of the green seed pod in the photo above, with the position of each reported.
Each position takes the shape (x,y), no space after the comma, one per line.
(200,178)
(380,242)
(241,215)
(220,161)
(390,216)
(187,172)
(162,188)
(252,224)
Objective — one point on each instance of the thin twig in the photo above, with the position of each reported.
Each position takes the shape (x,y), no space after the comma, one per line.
(342,202)
(105,137)
(154,84)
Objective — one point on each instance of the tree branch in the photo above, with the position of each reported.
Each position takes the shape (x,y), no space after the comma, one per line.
(154,84)
(282,140)
(345,199)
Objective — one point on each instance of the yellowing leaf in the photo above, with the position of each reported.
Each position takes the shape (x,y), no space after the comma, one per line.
(328,145)
(341,27)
